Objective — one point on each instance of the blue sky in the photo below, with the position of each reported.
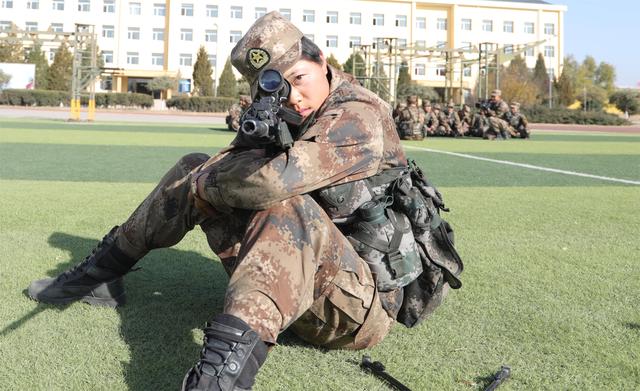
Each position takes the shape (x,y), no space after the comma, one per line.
(608,30)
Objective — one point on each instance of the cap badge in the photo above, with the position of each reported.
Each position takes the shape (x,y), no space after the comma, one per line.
(258,58)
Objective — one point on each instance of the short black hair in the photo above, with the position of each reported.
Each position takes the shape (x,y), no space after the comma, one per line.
(310,51)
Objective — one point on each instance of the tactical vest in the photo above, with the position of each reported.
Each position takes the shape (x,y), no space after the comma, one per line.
(393,222)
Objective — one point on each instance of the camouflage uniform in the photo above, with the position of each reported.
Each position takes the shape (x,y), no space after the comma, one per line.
(518,121)
(466,119)
(442,127)
(430,119)
(451,121)
(498,125)
(411,120)
(235,113)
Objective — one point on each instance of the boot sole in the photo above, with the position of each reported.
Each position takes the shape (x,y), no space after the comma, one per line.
(90,298)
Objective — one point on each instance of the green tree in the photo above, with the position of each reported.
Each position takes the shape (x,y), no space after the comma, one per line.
(587,86)
(202,71)
(331,60)
(227,86)
(541,78)
(355,61)
(61,70)
(626,100)
(12,52)
(36,56)
(605,77)
(404,79)
(163,83)
(243,86)
(413,88)
(5,78)
(565,86)
(378,83)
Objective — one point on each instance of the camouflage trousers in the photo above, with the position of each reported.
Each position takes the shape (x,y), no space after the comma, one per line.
(498,127)
(289,265)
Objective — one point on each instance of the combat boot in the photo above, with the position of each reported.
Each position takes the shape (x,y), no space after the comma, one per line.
(230,358)
(96,280)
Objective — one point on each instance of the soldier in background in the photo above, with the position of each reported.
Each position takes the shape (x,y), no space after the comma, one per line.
(518,121)
(411,120)
(452,121)
(430,119)
(235,113)
(466,119)
(497,115)
(396,114)
(442,128)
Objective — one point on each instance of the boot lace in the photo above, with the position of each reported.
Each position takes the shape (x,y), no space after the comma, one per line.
(81,268)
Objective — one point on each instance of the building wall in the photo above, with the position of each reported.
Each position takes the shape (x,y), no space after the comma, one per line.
(393,11)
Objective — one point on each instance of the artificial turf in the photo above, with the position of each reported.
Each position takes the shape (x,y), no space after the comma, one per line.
(551,283)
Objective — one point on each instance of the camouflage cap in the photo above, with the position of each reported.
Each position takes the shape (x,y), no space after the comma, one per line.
(426,102)
(436,106)
(272,40)
(496,93)
(514,104)
(412,99)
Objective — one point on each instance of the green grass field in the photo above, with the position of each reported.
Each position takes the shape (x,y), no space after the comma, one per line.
(551,284)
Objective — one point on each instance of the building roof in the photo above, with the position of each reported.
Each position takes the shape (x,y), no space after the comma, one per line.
(524,1)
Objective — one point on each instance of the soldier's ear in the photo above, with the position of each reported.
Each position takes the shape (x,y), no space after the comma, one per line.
(324,63)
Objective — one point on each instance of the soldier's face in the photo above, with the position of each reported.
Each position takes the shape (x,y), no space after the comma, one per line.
(309,86)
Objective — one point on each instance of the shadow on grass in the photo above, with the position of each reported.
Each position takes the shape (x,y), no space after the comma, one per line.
(175,293)
(632,326)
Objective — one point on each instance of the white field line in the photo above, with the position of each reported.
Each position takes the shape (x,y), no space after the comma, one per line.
(530,166)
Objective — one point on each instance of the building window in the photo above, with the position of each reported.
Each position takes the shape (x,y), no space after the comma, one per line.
(354,42)
(466,72)
(286,13)
(378,19)
(211,35)
(108,31)
(212,60)
(109,6)
(157,59)
(487,25)
(186,59)
(310,37)
(260,12)
(184,86)
(332,41)
(186,9)
(107,56)
(212,11)
(421,44)
(33,4)
(236,12)
(549,29)
(5,25)
(234,36)
(308,16)
(441,24)
(332,16)
(402,43)
(159,9)
(133,33)
(379,43)
(419,70)
(441,45)
(106,83)
(528,52)
(186,34)
(508,49)
(507,27)
(465,24)
(133,58)
(84,5)
(551,72)
(355,18)
(441,70)
(31,26)
(52,54)
(135,9)
(6,4)
(549,51)
(158,34)
(401,20)
(56,27)
(529,28)
(421,23)
(58,5)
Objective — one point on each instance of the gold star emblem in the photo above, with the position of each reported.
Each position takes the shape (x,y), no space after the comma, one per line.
(258,57)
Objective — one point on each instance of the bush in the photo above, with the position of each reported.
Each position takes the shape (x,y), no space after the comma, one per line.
(201,104)
(55,98)
(543,114)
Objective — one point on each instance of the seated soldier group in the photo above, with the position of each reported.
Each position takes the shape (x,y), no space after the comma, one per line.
(491,120)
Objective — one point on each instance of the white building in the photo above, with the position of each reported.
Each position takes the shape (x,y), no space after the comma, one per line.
(142,39)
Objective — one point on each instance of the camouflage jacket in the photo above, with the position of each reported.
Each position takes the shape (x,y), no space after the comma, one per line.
(352,137)
(518,119)
(450,120)
(499,109)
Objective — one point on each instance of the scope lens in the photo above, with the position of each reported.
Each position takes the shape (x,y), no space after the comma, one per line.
(270,80)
